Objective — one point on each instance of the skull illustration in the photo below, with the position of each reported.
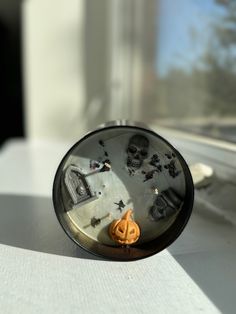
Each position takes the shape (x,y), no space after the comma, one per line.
(137,151)
(165,205)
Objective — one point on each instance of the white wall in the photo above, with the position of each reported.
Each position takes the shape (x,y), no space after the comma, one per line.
(53,68)
(84,63)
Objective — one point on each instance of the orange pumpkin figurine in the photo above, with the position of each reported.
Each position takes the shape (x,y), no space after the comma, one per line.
(124,231)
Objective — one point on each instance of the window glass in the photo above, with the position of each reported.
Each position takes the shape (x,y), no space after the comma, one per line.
(193,84)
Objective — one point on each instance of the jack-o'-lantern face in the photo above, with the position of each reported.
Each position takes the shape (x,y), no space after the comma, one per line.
(124,231)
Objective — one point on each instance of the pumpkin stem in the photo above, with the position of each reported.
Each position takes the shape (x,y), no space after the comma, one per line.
(127,214)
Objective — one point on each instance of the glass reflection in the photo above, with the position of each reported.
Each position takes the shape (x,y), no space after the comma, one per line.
(195,66)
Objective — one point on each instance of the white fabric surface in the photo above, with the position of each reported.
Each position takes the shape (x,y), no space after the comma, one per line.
(42,283)
(186,278)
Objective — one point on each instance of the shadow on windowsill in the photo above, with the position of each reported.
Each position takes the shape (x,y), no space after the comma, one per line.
(29,222)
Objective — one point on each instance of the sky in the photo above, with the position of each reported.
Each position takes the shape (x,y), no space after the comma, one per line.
(183,31)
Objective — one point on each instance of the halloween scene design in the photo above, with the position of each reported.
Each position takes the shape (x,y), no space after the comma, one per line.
(122,187)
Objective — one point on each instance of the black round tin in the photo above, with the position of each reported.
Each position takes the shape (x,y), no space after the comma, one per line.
(113,169)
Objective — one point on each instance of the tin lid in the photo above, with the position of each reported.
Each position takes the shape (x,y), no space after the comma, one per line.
(123,193)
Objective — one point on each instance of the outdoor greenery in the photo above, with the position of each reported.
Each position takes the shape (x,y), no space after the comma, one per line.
(208,87)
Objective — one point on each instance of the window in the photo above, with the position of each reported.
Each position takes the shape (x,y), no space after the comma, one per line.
(193,85)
